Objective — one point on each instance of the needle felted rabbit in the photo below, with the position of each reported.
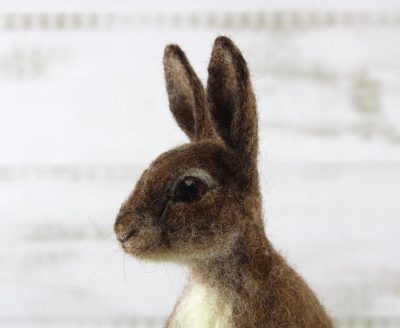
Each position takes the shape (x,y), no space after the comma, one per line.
(200,204)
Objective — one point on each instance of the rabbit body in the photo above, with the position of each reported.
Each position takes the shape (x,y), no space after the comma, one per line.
(200,204)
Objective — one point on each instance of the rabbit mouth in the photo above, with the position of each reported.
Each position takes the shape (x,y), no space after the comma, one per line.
(131,233)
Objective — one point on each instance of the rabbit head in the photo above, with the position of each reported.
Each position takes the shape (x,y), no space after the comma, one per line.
(195,201)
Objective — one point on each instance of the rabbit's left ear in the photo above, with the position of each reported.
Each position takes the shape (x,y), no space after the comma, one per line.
(231,101)
(187,100)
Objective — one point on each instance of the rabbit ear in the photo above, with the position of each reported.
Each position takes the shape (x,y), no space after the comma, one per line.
(187,100)
(231,99)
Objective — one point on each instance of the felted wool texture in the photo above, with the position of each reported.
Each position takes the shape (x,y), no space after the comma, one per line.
(236,278)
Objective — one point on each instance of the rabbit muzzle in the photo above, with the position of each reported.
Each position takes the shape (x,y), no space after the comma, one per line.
(138,230)
(125,225)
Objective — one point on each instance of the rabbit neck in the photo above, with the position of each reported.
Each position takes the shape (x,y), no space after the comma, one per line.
(216,287)
(247,262)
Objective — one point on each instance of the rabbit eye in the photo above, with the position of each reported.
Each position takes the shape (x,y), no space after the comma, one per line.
(189,189)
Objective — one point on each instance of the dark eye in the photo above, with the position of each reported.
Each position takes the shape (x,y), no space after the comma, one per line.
(189,189)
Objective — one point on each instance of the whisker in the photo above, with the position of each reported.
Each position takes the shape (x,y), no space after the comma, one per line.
(124,268)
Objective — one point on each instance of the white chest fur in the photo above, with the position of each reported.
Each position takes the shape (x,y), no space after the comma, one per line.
(203,307)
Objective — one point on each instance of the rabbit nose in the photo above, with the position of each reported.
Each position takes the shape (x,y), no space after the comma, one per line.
(124,226)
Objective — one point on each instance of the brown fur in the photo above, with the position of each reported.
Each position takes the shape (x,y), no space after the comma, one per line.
(219,236)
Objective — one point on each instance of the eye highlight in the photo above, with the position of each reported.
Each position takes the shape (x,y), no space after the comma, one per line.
(189,189)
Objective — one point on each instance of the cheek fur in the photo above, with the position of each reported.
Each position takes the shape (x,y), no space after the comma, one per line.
(206,226)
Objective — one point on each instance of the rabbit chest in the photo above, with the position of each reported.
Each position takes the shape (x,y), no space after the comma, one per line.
(203,306)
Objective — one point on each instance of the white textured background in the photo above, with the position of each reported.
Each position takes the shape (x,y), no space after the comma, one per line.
(83,110)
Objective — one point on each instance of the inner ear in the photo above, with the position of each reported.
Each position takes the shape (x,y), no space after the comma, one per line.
(223,92)
(232,102)
(180,93)
(186,94)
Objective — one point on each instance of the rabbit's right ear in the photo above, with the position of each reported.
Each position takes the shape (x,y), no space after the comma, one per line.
(232,102)
(187,99)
